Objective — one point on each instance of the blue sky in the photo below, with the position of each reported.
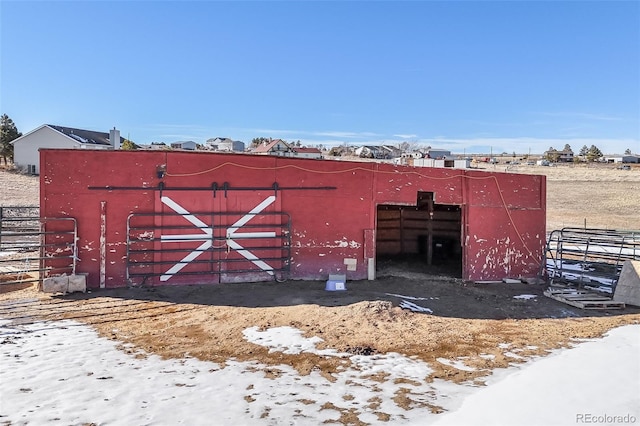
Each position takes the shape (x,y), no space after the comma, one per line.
(471,76)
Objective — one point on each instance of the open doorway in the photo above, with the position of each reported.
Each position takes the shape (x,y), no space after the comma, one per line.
(422,238)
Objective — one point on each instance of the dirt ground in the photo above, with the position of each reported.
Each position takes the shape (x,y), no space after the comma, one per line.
(468,321)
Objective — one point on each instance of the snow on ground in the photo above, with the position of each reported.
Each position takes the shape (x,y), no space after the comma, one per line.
(525,296)
(64,373)
(598,381)
(583,273)
(456,363)
(411,297)
(405,304)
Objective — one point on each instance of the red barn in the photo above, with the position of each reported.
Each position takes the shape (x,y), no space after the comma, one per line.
(189,217)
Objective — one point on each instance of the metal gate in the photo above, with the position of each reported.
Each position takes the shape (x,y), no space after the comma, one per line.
(590,258)
(33,248)
(179,246)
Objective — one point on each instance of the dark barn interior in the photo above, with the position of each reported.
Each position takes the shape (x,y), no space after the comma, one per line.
(425,237)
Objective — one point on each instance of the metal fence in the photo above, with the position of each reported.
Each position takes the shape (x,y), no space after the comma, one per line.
(590,258)
(33,248)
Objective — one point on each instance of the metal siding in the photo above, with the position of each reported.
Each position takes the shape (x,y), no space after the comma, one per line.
(26,149)
(328,225)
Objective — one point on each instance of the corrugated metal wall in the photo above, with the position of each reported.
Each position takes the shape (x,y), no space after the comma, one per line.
(332,206)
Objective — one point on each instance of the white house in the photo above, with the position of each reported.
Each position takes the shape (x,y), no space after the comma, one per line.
(432,162)
(274,147)
(439,154)
(369,151)
(26,147)
(188,145)
(304,152)
(225,144)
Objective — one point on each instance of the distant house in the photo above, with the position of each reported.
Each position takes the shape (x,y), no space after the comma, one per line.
(224,144)
(274,147)
(378,151)
(365,151)
(307,153)
(188,145)
(439,154)
(565,156)
(26,147)
(432,162)
(559,156)
(390,151)
(406,158)
(370,151)
(412,154)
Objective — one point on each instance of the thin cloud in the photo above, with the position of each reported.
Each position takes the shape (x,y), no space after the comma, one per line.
(302,133)
(272,132)
(165,127)
(498,123)
(582,115)
(171,132)
(406,136)
(350,135)
(179,136)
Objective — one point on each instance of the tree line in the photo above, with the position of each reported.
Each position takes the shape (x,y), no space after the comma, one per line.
(590,154)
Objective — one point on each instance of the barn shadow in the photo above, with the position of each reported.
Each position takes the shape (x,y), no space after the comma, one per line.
(438,295)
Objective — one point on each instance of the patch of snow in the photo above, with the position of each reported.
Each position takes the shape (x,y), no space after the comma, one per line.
(457,364)
(410,297)
(287,340)
(512,354)
(567,392)
(405,304)
(525,296)
(62,372)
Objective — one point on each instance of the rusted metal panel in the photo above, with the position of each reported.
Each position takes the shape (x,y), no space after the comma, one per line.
(332,205)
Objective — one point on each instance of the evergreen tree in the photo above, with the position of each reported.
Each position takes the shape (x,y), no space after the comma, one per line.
(9,133)
(627,151)
(594,153)
(583,151)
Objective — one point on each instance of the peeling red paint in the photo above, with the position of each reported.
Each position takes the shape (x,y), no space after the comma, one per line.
(503,214)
